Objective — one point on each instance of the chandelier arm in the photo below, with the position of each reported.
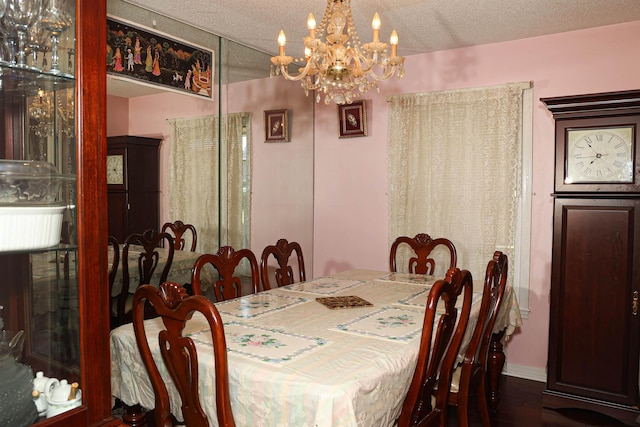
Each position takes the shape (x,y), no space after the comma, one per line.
(384,76)
(301,75)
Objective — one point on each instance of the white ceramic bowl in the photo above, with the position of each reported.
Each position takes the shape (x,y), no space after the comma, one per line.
(29,227)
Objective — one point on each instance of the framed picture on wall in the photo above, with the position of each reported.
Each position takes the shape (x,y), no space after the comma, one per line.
(148,57)
(276,126)
(353,119)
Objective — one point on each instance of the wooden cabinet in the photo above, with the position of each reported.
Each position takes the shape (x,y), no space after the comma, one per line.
(594,329)
(133,185)
(58,294)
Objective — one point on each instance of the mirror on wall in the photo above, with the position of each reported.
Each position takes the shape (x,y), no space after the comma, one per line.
(277,181)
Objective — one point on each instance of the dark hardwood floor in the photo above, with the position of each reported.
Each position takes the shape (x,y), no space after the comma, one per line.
(521,406)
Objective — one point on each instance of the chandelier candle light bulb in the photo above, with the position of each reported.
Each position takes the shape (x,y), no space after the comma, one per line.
(375,24)
(311,25)
(340,67)
(394,43)
(282,40)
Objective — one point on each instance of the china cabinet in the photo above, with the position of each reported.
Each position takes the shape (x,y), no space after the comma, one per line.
(53,225)
(594,335)
(133,185)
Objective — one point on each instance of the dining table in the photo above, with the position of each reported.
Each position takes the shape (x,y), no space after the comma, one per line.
(333,351)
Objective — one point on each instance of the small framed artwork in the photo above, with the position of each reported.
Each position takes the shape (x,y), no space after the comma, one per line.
(353,119)
(276,126)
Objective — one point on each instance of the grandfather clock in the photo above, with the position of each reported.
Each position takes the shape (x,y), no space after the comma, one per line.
(594,330)
(133,188)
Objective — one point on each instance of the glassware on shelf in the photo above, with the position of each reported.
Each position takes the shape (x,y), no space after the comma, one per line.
(8,47)
(37,38)
(19,16)
(3,52)
(57,16)
(4,39)
(3,7)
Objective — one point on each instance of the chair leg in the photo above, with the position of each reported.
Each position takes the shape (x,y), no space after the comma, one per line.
(483,404)
(463,409)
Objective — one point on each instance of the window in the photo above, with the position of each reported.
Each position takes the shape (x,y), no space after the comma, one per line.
(460,167)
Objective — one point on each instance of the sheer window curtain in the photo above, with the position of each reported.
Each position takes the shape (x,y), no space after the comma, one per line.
(202,190)
(454,168)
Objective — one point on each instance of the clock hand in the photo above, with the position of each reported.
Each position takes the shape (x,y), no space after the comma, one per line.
(598,156)
(592,149)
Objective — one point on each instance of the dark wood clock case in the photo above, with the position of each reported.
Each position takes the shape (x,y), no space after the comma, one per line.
(594,328)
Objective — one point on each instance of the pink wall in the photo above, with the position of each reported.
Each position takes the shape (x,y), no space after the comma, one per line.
(118,117)
(350,191)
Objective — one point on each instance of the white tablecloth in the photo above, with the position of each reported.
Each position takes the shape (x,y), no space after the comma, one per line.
(295,362)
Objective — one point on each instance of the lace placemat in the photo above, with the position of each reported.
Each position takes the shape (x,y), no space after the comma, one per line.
(263,344)
(415,279)
(416,299)
(259,304)
(323,285)
(349,301)
(420,299)
(399,324)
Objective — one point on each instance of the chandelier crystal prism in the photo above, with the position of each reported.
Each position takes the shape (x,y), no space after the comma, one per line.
(340,67)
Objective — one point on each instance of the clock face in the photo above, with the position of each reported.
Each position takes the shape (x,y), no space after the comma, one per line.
(115,169)
(599,155)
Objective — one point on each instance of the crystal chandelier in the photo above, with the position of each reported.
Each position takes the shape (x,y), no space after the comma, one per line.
(341,67)
(41,112)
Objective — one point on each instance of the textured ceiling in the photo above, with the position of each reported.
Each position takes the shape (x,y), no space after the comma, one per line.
(422,25)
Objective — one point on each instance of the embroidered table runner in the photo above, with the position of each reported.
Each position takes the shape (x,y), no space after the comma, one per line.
(255,305)
(323,285)
(414,279)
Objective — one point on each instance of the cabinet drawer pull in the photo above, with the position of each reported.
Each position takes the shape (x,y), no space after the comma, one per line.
(634,304)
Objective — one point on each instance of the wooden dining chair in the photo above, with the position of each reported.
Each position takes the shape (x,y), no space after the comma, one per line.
(226,261)
(113,270)
(179,230)
(147,263)
(471,377)
(179,354)
(282,251)
(439,345)
(423,246)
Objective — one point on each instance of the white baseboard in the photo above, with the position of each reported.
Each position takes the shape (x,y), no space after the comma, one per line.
(526,372)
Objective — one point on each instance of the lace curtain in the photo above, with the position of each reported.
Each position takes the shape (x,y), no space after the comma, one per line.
(454,165)
(202,190)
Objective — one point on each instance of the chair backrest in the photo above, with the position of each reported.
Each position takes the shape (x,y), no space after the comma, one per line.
(176,307)
(147,262)
(422,245)
(439,346)
(225,261)
(115,261)
(282,251)
(113,270)
(179,230)
(472,373)
(495,283)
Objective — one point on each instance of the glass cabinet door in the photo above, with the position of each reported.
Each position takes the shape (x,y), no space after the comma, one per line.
(40,358)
